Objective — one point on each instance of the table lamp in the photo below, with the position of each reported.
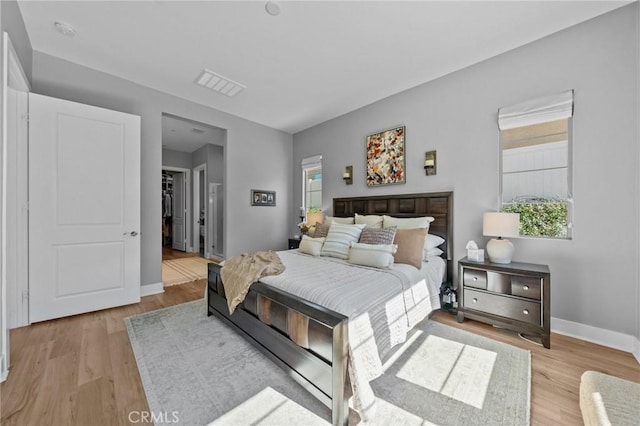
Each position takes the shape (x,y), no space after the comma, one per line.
(314,217)
(501,225)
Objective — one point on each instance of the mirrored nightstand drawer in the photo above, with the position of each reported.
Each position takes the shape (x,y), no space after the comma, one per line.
(526,287)
(476,279)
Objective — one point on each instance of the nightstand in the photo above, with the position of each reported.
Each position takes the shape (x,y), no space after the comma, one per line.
(516,296)
(294,243)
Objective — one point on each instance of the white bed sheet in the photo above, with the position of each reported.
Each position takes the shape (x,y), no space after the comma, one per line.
(382,306)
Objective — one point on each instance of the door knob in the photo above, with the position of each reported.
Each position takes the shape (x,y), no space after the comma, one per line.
(133,233)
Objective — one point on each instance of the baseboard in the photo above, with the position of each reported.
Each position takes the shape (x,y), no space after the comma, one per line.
(4,373)
(600,336)
(149,289)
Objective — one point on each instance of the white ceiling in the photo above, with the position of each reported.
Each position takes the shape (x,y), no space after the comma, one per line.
(184,135)
(313,62)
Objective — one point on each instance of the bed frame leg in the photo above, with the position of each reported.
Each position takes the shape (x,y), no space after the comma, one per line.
(339,400)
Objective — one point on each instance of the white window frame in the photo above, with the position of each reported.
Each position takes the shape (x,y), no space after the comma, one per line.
(309,163)
(537,111)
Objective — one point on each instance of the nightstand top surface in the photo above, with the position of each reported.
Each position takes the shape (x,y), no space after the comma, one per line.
(516,267)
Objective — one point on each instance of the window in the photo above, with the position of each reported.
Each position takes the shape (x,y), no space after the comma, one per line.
(312,183)
(535,163)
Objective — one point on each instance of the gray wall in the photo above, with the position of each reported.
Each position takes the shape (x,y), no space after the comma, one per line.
(637,343)
(13,24)
(594,275)
(172,158)
(4,330)
(257,156)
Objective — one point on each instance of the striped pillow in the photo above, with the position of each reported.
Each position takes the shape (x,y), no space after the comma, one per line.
(377,236)
(339,239)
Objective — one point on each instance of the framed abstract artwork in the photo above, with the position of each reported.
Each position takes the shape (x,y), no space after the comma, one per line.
(385,157)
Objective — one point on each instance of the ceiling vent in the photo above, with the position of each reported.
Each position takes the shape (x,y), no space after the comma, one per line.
(218,83)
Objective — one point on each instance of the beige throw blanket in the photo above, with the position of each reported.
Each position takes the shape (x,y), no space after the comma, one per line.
(239,272)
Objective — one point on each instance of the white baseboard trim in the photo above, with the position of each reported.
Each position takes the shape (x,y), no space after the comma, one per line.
(149,289)
(5,371)
(600,336)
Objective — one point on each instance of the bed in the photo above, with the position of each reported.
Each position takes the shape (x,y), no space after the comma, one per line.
(290,322)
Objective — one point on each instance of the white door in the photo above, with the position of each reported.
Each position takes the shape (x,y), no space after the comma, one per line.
(179,207)
(84,208)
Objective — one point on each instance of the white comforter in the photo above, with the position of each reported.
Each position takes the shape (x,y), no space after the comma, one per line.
(382,306)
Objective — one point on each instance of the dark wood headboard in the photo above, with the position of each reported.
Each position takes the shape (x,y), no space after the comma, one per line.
(439,205)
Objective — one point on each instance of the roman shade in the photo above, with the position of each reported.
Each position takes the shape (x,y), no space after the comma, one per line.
(536,111)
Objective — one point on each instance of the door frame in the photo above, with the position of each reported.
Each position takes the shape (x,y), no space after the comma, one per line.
(213,217)
(196,208)
(13,75)
(187,195)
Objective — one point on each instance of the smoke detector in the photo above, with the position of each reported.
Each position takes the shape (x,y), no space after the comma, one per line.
(272,8)
(64,28)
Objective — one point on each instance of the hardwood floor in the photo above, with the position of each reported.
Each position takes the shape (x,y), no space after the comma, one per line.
(555,372)
(81,370)
(168,253)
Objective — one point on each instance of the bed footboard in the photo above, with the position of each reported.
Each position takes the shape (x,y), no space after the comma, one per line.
(320,366)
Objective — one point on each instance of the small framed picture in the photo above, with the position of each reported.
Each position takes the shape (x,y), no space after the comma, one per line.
(260,197)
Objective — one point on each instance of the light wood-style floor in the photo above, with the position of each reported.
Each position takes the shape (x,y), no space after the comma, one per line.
(81,370)
(168,253)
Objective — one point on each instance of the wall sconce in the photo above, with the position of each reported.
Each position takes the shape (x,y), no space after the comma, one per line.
(430,163)
(347,175)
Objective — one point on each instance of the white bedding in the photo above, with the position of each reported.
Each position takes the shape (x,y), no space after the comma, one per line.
(382,306)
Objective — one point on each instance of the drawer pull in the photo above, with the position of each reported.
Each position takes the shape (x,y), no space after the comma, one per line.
(475,278)
(475,299)
(525,287)
(525,311)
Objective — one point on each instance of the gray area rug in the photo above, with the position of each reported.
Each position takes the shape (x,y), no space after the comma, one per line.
(197,370)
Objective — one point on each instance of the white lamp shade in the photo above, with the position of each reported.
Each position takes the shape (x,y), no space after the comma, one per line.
(496,224)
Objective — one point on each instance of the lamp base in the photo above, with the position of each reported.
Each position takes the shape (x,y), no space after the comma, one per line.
(500,250)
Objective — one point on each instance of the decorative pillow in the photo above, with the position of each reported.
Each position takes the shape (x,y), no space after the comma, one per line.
(339,238)
(321,230)
(343,220)
(374,255)
(311,246)
(371,220)
(407,222)
(410,246)
(434,252)
(433,241)
(377,236)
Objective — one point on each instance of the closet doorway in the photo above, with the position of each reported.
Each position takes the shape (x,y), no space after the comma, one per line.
(175,208)
(193,157)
